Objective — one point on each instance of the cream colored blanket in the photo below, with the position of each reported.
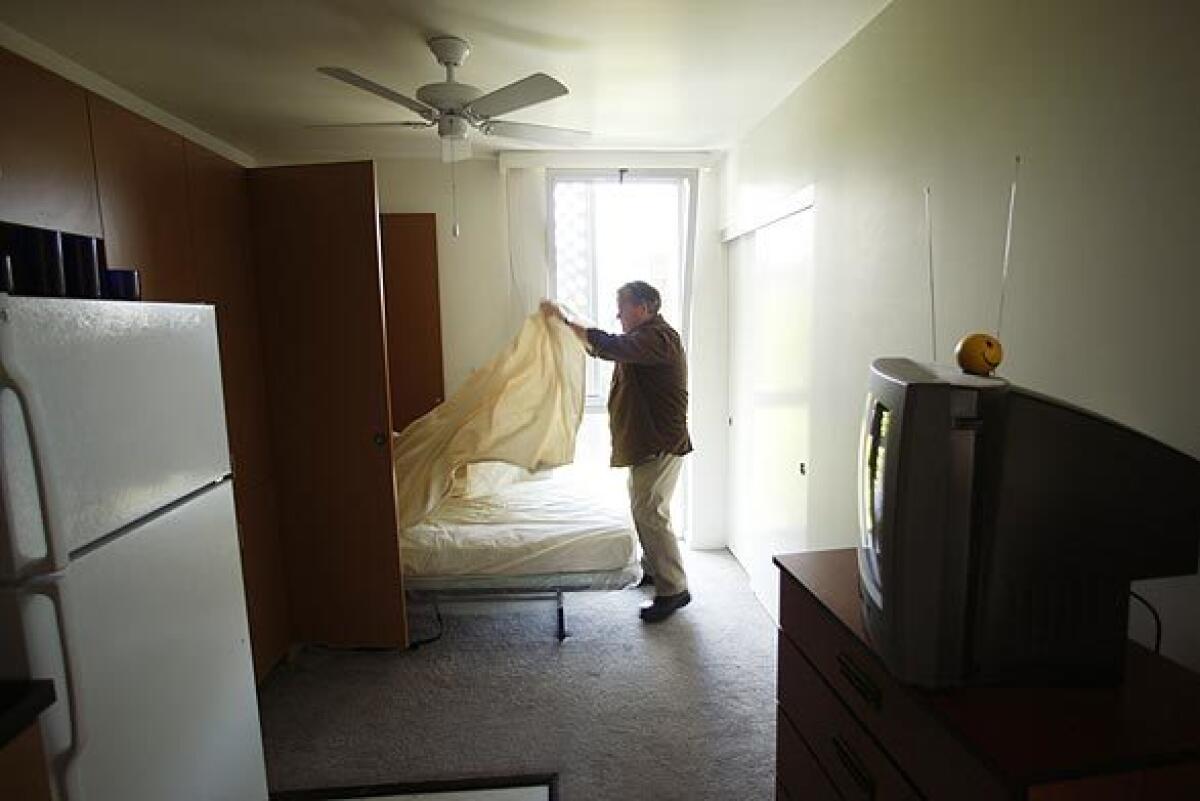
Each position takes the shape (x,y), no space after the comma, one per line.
(523,408)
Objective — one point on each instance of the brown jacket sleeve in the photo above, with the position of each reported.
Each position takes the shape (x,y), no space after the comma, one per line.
(643,345)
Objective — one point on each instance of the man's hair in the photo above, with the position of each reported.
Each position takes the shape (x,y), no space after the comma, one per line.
(642,293)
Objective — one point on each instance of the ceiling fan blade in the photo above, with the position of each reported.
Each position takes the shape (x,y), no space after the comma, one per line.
(374,125)
(354,79)
(545,134)
(537,88)
(455,149)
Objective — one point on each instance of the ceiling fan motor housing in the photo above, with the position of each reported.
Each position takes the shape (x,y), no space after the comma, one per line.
(448,95)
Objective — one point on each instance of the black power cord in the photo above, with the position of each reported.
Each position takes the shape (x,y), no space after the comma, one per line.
(441,627)
(412,646)
(1157,620)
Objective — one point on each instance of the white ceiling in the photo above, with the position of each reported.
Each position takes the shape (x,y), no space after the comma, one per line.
(642,74)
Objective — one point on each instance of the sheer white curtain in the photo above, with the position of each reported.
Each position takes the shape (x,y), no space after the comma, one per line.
(525,194)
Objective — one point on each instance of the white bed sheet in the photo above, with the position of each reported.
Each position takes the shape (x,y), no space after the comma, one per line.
(541,526)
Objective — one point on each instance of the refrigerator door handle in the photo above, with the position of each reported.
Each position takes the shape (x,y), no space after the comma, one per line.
(23,484)
(63,764)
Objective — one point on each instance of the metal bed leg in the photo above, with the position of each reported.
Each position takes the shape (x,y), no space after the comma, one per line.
(562,618)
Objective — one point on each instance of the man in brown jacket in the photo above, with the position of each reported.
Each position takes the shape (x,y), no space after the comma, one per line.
(647,409)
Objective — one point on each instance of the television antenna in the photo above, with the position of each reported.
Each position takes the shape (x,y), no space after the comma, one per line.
(1012,202)
(929,262)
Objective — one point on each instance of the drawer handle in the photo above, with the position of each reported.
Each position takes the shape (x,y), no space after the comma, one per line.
(860,681)
(854,766)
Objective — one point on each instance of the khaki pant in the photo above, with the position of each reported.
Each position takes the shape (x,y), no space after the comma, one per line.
(651,485)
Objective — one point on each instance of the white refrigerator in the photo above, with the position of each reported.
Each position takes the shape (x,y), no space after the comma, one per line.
(120,572)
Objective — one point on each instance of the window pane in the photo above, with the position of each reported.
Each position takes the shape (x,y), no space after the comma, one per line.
(573,246)
(638,231)
(638,239)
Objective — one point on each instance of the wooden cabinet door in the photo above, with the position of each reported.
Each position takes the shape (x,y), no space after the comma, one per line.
(46,175)
(316,234)
(414,320)
(143,200)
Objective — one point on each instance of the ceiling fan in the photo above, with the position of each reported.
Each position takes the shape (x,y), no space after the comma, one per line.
(455,108)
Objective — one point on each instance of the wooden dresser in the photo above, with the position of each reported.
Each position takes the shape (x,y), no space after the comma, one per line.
(23,773)
(848,730)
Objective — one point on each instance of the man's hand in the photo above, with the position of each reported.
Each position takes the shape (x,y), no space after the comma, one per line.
(551,310)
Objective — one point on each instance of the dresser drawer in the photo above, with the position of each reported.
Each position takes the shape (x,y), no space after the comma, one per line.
(854,763)
(796,769)
(939,764)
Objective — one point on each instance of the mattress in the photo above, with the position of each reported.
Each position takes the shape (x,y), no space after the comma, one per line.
(528,528)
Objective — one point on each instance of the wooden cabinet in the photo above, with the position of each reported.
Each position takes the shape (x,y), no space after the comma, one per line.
(800,777)
(142,178)
(316,235)
(219,222)
(23,770)
(854,764)
(219,235)
(23,773)
(46,175)
(874,738)
(180,215)
(414,320)
(262,573)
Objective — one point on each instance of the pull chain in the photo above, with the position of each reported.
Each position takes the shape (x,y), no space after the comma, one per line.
(453,192)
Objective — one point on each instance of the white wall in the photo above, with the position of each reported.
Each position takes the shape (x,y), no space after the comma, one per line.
(473,271)
(708,365)
(1099,97)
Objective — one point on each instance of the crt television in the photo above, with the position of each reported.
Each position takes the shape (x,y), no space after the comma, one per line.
(1001,529)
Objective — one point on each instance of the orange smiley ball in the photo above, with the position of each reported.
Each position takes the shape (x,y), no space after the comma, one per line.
(979,354)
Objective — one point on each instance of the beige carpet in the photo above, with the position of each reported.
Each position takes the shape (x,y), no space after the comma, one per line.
(684,709)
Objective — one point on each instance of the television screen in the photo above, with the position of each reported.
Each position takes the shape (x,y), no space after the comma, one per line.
(878,422)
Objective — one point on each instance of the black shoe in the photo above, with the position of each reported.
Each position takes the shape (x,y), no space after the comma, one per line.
(664,606)
(647,580)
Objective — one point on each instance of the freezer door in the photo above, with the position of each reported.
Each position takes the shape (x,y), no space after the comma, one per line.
(155,626)
(122,409)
